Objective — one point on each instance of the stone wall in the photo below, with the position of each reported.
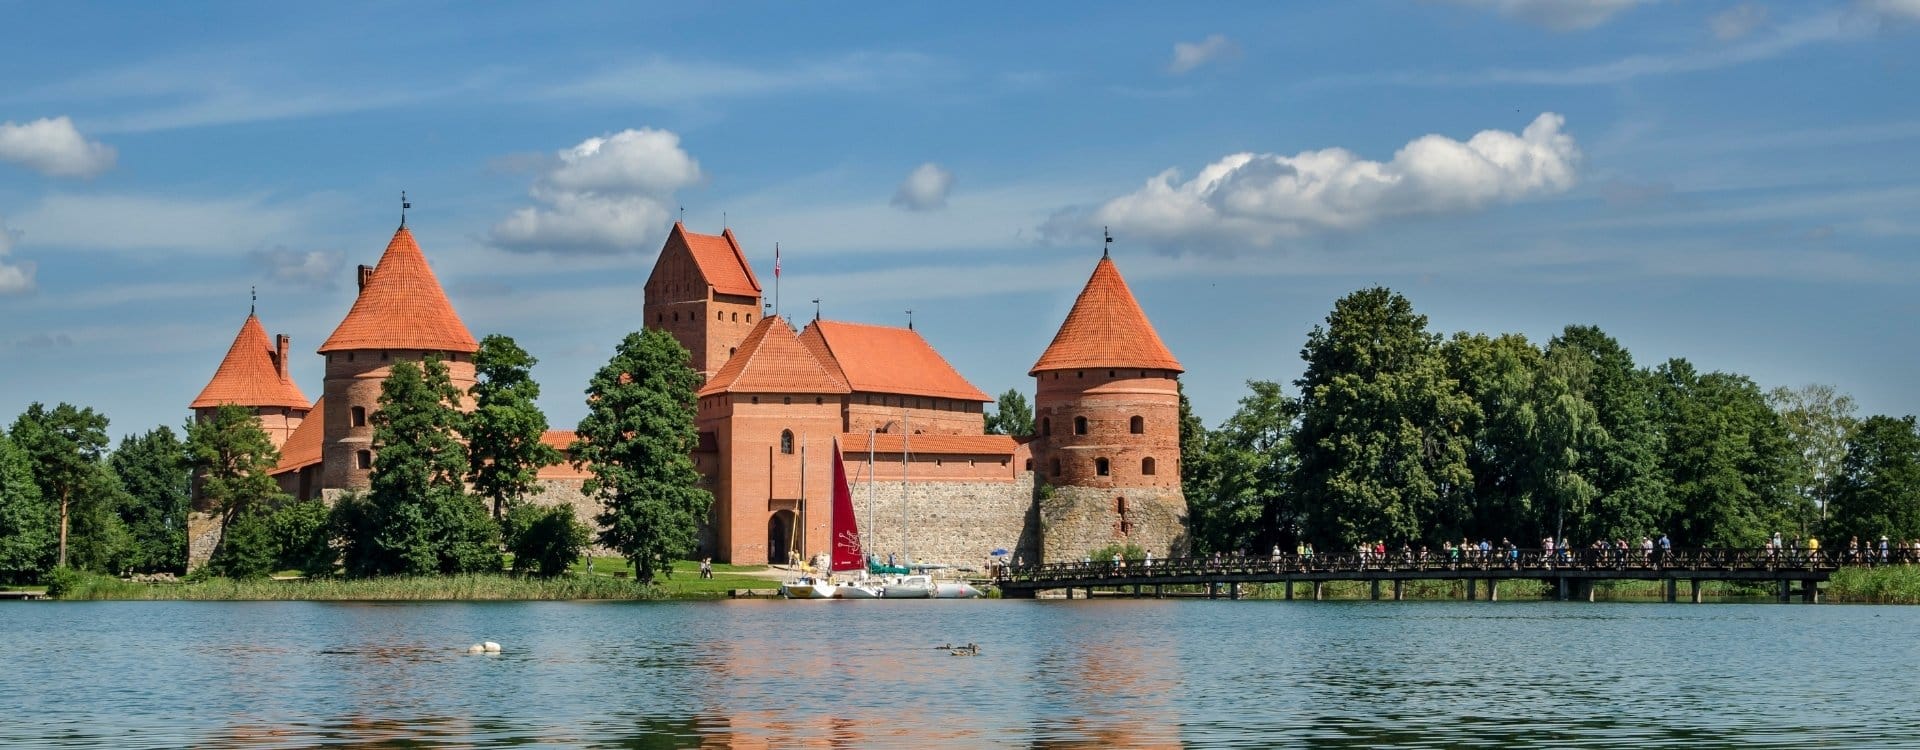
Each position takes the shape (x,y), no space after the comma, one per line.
(203,536)
(1076,520)
(567,492)
(953,522)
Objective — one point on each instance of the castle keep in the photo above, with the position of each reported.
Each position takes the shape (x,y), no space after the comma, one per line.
(928,483)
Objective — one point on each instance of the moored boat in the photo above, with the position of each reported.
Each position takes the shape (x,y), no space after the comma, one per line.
(907,587)
(956,590)
(808,587)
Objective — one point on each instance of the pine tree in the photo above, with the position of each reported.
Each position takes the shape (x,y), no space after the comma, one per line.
(64,446)
(234,459)
(504,452)
(418,517)
(156,471)
(637,440)
(27,535)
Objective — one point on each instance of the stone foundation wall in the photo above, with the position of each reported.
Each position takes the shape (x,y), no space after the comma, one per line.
(567,492)
(203,536)
(956,523)
(1076,520)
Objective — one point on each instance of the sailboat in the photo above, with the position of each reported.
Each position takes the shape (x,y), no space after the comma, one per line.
(845,555)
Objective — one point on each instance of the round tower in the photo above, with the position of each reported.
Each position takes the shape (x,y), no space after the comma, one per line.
(252,376)
(401,315)
(1106,454)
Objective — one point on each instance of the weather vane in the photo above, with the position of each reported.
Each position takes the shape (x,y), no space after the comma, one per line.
(404,205)
(1105,247)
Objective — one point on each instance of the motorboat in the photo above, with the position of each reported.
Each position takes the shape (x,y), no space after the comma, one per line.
(956,590)
(808,587)
(907,587)
(856,590)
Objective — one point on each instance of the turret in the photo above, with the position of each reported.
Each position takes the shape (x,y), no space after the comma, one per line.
(1107,414)
(254,375)
(704,293)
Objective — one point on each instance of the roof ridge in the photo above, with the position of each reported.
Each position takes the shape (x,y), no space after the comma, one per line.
(401,305)
(743,364)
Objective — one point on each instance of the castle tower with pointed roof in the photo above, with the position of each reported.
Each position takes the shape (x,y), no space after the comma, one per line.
(703,291)
(254,375)
(1107,409)
(401,315)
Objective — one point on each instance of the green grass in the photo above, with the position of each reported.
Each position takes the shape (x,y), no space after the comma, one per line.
(1896,584)
(686,583)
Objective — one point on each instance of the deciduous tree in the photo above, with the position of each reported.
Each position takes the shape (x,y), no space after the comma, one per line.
(234,459)
(504,452)
(27,535)
(418,518)
(1876,490)
(1012,415)
(1818,420)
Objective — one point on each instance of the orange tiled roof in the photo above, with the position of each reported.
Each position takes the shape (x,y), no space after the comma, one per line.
(883,359)
(975,445)
(560,440)
(302,448)
(1106,328)
(249,376)
(402,307)
(720,259)
(772,360)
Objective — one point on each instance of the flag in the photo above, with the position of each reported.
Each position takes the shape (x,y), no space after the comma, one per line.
(776,260)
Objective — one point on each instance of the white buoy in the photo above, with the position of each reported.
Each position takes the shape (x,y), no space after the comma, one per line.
(492,648)
(476,648)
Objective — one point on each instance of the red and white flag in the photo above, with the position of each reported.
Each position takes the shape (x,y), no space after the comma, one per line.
(776,260)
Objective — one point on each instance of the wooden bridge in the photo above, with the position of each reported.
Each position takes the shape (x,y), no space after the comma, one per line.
(1571,573)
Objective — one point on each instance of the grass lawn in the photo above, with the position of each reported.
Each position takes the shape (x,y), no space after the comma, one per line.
(686,580)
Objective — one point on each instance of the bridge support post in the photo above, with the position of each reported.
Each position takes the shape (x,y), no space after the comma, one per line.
(1399,590)
(1233,591)
(1696,590)
(1563,587)
(1374,588)
(1673,590)
(1289,589)
(1471,584)
(1156,591)
(1810,591)
(1586,589)
(1786,590)
(1493,589)
(1069,593)
(1136,591)
(1319,590)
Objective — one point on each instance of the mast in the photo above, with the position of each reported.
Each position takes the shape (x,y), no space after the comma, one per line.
(906,432)
(846,552)
(870,467)
(800,529)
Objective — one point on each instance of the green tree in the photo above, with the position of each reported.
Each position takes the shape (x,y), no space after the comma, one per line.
(1876,489)
(1622,464)
(545,540)
(1381,439)
(1245,502)
(234,459)
(637,441)
(504,452)
(418,517)
(156,471)
(1529,427)
(1819,420)
(64,445)
(1012,415)
(27,535)
(302,539)
(1727,461)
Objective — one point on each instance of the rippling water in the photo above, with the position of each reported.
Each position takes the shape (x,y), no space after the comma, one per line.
(1050,673)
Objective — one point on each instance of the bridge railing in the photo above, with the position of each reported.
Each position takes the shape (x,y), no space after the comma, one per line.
(1469,561)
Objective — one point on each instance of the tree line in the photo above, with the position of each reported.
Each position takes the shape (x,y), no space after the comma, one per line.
(450,488)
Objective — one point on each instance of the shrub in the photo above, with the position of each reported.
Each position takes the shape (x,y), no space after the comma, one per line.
(246,546)
(1126,552)
(544,540)
(302,538)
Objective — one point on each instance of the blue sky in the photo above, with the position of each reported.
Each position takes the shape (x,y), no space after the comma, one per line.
(1731,182)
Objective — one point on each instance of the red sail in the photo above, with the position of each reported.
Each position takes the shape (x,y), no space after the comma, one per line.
(846,532)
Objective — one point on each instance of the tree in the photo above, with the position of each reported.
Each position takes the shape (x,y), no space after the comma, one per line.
(156,472)
(637,441)
(1381,438)
(1012,415)
(504,452)
(545,539)
(302,538)
(1244,501)
(27,535)
(1622,463)
(234,459)
(418,517)
(64,446)
(1727,461)
(1876,490)
(1818,421)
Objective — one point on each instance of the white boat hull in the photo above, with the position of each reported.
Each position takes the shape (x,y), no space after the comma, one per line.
(856,591)
(956,590)
(908,587)
(802,590)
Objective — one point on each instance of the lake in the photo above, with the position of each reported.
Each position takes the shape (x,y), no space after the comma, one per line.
(1105,673)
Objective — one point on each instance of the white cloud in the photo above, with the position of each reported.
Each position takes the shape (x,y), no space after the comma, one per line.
(53,147)
(663,82)
(1190,55)
(1908,10)
(608,194)
(1738,21)
(1557,15)
(316,269)
(15,278)
(1254,199)
(925,189)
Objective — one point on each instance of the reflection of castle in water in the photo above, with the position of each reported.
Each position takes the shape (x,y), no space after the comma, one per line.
(1103,468)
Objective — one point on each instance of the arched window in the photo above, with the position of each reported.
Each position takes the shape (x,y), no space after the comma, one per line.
(1055,467)
(786,442)
(749,317)
(659,317)
(1046,426)
(363,459)
(676,316)
(1079,425)
(736,317)
(1101,467)
(731,350)
(359,416)
(720,316)
(1029,464)
(1136,425)
(1146,467)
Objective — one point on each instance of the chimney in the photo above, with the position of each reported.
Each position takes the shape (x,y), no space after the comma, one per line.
(280,344)
(366,272)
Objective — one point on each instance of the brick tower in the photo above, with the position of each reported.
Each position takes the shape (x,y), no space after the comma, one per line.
(254,376)
(704,293)
(400,315)
(1107,410)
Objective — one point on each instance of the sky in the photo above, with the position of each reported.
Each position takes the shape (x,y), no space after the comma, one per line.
(1729,182)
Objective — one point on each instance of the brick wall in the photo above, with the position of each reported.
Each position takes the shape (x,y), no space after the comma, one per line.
(353,379)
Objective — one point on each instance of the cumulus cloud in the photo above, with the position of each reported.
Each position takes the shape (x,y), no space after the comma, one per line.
(314,269)
(1190,55)
(1738,21)
(53,147)
(1256,199)
(609,194)
(15,278)
(1556,15)
(925,189)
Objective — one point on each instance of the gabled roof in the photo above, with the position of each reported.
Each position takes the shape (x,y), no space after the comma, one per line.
(249,376)
(402,307)
(1106,328)
(302,448)
(721,262)
(771,360)
(883,359)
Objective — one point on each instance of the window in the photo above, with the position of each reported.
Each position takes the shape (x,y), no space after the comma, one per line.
(1137,425)
(1056,467)
(1120,505)
(749,317)
(736,317)
(359,416)
(1079,373)
(1079,425)
(659,317)
(1109,373)
(819,400)
(349,356)
(786,442)
(786,400)
(730,350)
(383,356)
(676,316)
(1029,464)
(720,316)
(756,399)
(363,459)
(1146,467)
(1101,467)
(1046,426)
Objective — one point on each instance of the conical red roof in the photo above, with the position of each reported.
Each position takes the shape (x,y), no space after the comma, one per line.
(1106,328)
(402,307)
(249,376)
(772,360)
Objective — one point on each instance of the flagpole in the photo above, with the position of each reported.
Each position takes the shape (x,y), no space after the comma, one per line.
(776,279)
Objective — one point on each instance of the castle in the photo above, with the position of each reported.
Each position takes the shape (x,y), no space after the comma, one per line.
(928,483)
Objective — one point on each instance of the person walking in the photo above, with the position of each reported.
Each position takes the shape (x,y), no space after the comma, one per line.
(1149,562)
